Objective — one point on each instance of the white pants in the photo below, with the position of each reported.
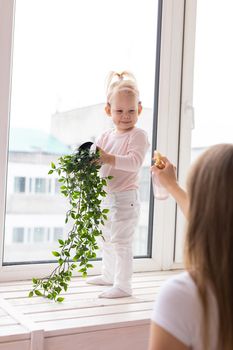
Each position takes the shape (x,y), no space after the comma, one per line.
(118,234)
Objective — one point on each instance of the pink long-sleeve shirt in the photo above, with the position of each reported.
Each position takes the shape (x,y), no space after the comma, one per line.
(129,149)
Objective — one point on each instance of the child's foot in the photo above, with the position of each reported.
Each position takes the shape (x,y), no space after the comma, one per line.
(114,292)
(99,281)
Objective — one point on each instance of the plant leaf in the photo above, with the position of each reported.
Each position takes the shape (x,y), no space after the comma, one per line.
(55,253)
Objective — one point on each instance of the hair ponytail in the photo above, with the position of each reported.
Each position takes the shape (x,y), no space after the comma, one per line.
(120,81)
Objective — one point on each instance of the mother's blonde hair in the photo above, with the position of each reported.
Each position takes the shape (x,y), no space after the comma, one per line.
(209,239)
(124,81)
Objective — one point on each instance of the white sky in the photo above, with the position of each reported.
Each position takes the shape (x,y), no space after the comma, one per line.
(213,73)
(63,50)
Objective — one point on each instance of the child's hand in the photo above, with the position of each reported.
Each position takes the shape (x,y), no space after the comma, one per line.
(106,158)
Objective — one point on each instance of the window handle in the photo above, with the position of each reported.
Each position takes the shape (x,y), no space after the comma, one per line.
(189,110)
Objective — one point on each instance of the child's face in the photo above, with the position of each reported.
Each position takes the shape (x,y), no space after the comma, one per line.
(124,110)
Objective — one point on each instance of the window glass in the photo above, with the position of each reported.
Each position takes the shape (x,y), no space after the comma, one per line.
(40,185)
(18,234)
(213,76)
(30,185)
(57,186)
(140,242)
(57,103)
(57,233)
(49,185)
(20,184)
(39,234)
(144,189)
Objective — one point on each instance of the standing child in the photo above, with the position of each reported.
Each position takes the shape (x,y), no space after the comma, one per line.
(122,151)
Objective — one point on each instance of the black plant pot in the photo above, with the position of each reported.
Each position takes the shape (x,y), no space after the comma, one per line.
(85,150)
(85,145)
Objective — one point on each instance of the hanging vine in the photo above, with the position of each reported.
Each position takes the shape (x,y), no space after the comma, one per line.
(81,183)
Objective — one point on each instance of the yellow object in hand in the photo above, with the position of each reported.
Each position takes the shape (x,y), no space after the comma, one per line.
(158,162)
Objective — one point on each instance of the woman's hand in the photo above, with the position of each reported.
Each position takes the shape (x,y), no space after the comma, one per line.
(166,175)
(167,178)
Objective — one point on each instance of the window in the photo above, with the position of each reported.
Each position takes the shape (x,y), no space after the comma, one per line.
(18,235)
(47,120)
(213,77)
(57,186)
(49,185)
(39,234)
(20,184)
(57,233)
(69,108)
(144,188)
(140,243)
(40,185)
(212,122)
(30,185)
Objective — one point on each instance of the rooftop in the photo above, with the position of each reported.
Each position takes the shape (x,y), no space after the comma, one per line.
(34,141)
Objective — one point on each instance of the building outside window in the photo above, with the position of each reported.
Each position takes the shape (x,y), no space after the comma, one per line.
(140,242)
(57,186)
(49,186)
(144,188)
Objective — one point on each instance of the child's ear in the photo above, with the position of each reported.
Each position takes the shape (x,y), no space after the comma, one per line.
(139,107)
(108,109)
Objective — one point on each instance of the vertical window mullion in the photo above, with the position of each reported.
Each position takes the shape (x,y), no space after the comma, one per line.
(6,33)
(185,119)
(168,122)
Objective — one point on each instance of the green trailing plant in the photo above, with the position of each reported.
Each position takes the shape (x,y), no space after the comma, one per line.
(81,183)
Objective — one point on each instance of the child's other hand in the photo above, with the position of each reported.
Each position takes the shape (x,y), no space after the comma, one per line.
(167,175)
(106,158)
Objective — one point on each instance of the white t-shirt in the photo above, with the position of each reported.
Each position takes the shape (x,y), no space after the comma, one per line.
(178,310)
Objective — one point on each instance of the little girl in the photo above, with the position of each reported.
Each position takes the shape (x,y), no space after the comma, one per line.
(122,151)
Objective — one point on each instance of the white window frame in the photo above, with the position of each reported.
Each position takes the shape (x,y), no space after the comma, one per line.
(171,101)
(186,120)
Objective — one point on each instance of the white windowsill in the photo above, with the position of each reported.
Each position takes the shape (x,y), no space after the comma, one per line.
(83,318)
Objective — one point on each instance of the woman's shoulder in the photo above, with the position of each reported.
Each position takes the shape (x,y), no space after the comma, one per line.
(177,308)
(181,283)
(178,296)
(182,278)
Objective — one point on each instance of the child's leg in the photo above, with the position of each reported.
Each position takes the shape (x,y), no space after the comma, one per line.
(124,222)
(108,255)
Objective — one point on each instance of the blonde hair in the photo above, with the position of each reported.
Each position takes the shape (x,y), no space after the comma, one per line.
(209,238)
(120,82)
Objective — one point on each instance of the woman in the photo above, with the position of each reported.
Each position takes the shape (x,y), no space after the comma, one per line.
(194,309)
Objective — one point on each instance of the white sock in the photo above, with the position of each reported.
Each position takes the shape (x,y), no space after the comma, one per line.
(114,292)
(99,281)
